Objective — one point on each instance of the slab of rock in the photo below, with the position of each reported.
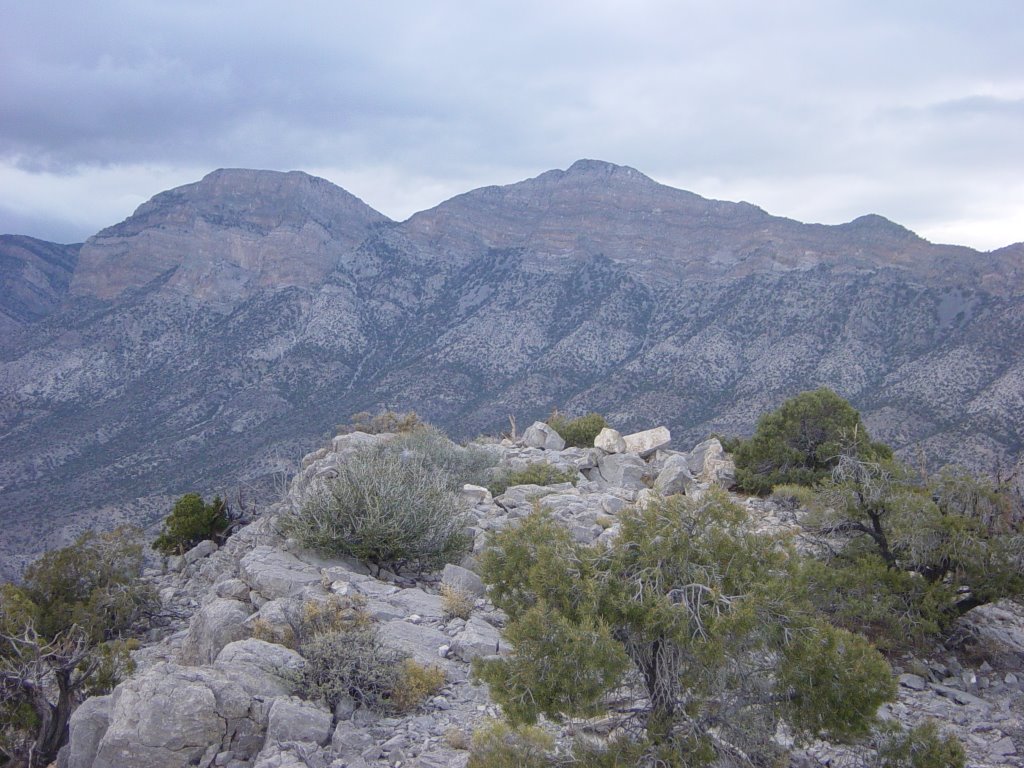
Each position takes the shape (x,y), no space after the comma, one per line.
(170,716)
(199,551)
(418,602)
(88,725)
(261,668)
(913,682)
(540,435)
(675,476)
(647,442)
(610,441)
(219,622)
(275,573)
(419,641)
(293,719)
(621,470)
(349,738)
(476,494)
(478,638)
(236,589)
(709,463)
(1000,623)
(463,579)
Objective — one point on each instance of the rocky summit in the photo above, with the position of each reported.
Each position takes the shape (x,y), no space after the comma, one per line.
(211,338)
(220,687)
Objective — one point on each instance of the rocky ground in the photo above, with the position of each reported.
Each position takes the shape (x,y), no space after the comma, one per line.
(209,692)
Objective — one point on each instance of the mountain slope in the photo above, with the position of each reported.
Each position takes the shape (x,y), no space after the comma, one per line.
(218,333)
(34,278)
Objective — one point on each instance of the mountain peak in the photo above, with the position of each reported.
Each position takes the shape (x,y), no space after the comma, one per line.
(228,234)
(600,166)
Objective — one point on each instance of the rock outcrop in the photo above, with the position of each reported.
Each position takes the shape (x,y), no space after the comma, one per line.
(201,696)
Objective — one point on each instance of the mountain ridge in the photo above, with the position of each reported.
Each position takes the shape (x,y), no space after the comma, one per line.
(213,339)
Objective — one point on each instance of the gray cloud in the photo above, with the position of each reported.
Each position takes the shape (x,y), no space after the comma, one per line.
(781,99)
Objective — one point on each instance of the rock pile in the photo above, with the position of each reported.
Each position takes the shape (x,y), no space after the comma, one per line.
(217,692)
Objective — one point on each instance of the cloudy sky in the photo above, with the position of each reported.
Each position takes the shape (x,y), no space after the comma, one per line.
(817,110)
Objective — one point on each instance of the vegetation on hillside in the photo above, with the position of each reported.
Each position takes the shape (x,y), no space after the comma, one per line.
(579,432)
(395,504)
(191,521)
(707,622)
(64,634)
(801,442)
(699,638)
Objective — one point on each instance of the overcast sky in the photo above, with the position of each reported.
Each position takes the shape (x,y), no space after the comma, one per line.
(817,110)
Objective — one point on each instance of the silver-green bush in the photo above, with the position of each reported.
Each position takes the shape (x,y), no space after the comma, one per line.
(394,505)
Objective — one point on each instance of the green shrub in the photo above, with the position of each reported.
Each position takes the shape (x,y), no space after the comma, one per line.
(926,551)
(921,747)
(895,609)
(456,465)
(579,432)
(496,745)
(709,620)
(190,522)
(801,441)
(538,473)
(63,636)
(393,505)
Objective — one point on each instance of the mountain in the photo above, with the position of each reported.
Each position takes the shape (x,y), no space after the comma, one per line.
(219,332)
(34,278)
(227,237)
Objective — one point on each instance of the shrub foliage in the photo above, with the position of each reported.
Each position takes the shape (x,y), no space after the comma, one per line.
(64,635)
(579,432)
(801,441)
(346,660)
(192,521)
(902,557)
(395,504)
(707,618)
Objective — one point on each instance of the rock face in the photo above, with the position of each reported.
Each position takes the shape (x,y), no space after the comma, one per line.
(224,324)
(227,236)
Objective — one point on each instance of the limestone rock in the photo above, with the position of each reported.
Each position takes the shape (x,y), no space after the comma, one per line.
(540,435)
(621,470)
(647,442)
(236,589)
(88,725)
(293,719)
(476,494)
(213,626)
(709,463)
(274,573)
(349,738)
(675,476)
(261,668)
(419,641)
(478,638)
(610,441)
(1001,623)
(457,577)
(169,716)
